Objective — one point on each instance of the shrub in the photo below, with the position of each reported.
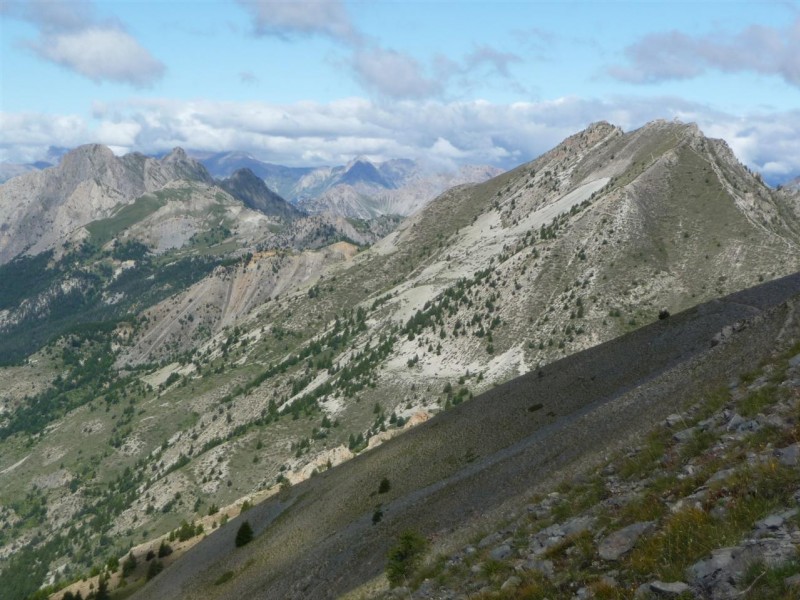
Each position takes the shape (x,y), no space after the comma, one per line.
(384,486)
(244,535)
(154,569)
(164,549)
(404,557)
(129,565)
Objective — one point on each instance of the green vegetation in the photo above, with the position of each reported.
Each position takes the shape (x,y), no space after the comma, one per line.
(405,556)
(104,230)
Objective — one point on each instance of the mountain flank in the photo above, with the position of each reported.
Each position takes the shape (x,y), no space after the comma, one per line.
(320,538)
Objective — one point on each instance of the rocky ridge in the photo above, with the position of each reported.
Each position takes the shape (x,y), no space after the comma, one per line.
(38,210)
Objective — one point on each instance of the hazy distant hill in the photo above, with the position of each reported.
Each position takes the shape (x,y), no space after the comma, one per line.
(359,189)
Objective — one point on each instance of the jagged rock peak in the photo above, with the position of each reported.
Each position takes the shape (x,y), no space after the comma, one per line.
(177,154)
(602,127)
(92,153)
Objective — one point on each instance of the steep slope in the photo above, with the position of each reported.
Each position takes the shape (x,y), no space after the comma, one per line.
(320,539)
(244,185)
(39,210)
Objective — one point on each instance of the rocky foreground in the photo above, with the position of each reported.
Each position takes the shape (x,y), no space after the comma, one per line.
(706,507)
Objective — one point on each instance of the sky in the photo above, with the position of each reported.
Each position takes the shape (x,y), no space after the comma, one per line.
(449,82)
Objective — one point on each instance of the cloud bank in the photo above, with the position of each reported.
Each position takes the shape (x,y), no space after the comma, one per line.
(447,133)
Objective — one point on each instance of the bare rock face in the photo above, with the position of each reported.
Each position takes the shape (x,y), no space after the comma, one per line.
(40,209)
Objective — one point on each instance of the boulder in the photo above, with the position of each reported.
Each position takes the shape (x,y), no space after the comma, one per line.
(622,541)
(501,552)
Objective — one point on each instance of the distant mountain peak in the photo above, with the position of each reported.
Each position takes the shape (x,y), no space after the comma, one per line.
(177,154)
(250,189)
(362,171)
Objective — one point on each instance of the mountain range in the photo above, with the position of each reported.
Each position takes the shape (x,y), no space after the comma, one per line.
(360,189)
(184,345)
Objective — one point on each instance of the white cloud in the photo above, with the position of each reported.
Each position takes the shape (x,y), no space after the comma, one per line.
(102,54)
(676,55)
(445,132)
(26,137)
(289,18)
(72,36)
(393,74)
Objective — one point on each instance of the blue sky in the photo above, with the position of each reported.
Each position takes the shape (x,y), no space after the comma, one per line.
(450,82)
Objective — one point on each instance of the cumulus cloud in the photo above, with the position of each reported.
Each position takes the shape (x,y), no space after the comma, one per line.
(676,55)
(288,18)
(393,74)
(102,54)
(71,35)
(446,133)
(27,137)
(388,72)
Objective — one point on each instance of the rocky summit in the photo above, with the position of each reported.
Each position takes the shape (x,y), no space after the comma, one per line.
(526,388)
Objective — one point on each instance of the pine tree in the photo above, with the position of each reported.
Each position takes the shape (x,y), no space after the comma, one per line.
(244,535)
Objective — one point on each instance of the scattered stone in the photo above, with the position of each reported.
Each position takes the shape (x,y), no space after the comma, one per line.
(674,419)
(501,552)
(684,435)
(792,582)
(771,420)
(720,475)
(577,525)
(670,589)
(490,540)
(716,577)
(545,567)
(707,568)
(735,421)
(794,361)
(770,522)
(510,584)
(622,541)
(789,456)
